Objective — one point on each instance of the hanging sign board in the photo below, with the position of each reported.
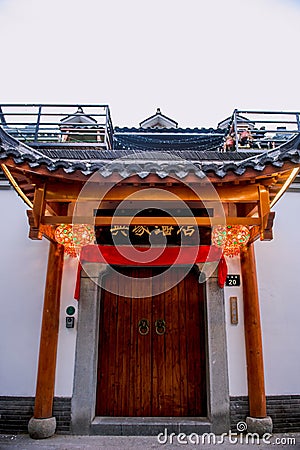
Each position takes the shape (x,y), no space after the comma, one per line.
(234,316)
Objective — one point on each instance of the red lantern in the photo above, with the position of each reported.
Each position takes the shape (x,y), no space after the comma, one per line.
(230,238)
(73,237)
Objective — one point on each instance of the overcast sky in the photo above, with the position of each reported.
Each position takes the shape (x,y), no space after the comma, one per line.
(197,60)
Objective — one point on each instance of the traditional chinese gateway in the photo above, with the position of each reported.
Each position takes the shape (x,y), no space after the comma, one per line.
(152,231)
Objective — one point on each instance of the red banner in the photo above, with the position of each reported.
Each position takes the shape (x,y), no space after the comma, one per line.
(153,256)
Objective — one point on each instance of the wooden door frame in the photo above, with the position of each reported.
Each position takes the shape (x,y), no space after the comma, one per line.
(86,359)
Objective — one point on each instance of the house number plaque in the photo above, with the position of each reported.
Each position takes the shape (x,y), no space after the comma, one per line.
(233,280)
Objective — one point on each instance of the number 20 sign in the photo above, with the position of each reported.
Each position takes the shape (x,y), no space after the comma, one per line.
(233,280)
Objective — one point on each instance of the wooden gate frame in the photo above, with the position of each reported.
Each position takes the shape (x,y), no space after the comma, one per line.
(83,420)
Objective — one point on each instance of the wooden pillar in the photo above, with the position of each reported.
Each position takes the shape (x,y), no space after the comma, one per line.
(49,334)
(253,339)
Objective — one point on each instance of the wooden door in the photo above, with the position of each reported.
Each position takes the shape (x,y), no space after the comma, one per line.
(155,372)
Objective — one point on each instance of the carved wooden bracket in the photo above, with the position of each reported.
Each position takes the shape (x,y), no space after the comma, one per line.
(37,212)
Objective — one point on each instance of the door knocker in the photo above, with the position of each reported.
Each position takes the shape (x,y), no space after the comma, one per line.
(143,327)
(160,327)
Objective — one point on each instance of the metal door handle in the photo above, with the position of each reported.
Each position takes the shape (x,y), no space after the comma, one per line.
(143,327)
(160,327)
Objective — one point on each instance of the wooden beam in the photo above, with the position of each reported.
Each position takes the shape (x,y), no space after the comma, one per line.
(38,211)
(253,338)
(254,234)
(268,231)
(34,233)
(59,192)
(263,208)
(48,232)
(57,209)
(15,185)
(122,220)
(49,334)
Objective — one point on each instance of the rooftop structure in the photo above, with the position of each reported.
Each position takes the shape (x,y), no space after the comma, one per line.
(58,124)
(90,126)
(72,139)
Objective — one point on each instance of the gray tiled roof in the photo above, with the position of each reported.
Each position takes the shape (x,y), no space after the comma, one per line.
(128,162)
(204,141)
(94,153)
(123,130)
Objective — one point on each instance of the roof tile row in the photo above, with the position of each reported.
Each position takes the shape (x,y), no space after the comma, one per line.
(142,163)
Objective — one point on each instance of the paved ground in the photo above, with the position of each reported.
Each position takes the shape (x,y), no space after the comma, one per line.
(23,442)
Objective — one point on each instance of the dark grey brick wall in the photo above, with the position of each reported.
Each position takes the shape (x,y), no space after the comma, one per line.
(239,410)
(15,413)
(284,410)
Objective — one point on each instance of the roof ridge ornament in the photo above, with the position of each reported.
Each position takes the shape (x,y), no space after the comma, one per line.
(158,120)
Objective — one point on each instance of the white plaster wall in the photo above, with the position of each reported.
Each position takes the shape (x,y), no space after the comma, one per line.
(67,336)
(278,269)
(22,279)
(23,265)
(235,335)
(278,266)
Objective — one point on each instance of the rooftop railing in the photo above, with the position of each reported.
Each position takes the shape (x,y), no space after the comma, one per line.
(86,124)
(259,130)
(38,124)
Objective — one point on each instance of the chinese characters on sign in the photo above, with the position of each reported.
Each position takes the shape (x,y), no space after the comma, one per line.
(165,230)
(152,235)
(116,229)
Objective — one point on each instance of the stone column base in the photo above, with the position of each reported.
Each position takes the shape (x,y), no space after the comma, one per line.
(41,428)
(259,426)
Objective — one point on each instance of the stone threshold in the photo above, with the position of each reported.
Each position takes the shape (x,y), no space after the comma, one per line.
(148,426)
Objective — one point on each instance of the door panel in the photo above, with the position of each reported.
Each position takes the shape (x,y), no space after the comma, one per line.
(161,373)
